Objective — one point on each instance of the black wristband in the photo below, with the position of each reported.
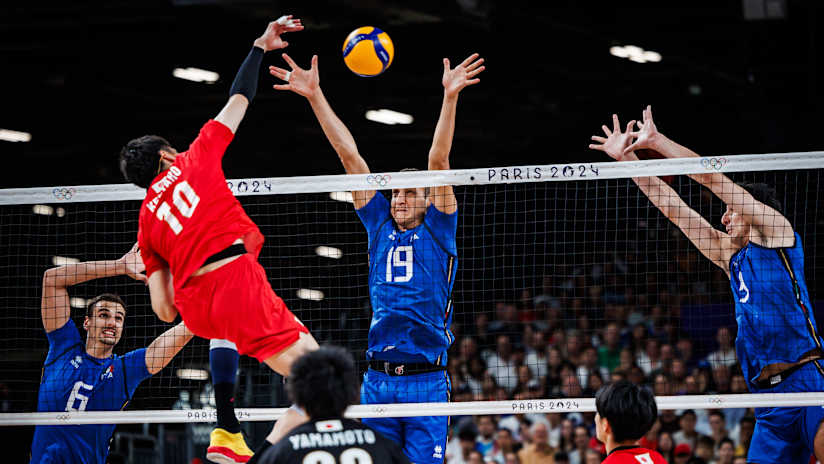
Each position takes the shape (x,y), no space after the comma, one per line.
(246,80)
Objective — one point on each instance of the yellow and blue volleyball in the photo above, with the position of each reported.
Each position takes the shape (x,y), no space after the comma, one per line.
(368,51)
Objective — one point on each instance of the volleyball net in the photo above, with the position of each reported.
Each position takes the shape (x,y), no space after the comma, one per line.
(568,277)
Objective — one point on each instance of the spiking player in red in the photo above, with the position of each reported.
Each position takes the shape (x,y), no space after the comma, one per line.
(199,246)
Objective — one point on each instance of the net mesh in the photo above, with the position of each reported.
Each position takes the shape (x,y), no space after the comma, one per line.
(561,286)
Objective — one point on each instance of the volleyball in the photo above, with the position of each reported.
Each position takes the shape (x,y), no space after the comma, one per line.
(368,51)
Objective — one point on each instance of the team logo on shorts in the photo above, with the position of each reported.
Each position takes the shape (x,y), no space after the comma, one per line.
(399,370)
(438,454)
(378,179)
(63,193)
(714,163)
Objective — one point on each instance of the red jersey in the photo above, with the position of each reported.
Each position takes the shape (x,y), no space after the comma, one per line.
(189,213)
(633,455)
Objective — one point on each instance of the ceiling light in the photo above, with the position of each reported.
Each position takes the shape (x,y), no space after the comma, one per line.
(342,196)
(77,302)
(63,260)
(635,53)
(196,75)
(307,294)
(637,58)
(14,136)
(61,212)
(193,374)
(43,210)
(652,56)
(389,117)
(329,252)
(632,50)
(618,51)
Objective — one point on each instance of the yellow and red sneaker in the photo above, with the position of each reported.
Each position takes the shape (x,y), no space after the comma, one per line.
(227,448)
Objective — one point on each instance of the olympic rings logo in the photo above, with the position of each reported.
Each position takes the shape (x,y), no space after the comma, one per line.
(379,409)
(713,163)
(63,417)
(63,193)
(378,179)
(716,400)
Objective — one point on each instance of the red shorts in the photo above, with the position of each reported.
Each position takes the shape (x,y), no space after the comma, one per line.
(235,302)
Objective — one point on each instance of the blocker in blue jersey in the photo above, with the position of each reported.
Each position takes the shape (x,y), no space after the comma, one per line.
(778,345)
(86,375)
(412,268)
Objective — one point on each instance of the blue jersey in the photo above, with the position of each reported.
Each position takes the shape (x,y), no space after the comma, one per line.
(74,381)
(411,275)
(772,307)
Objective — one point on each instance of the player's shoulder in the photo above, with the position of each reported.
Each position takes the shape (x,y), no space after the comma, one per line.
(634,455)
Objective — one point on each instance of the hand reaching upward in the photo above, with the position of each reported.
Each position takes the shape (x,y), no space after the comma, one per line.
(454,80)
(304,82)
(647,135)
(616,142)
(270,40)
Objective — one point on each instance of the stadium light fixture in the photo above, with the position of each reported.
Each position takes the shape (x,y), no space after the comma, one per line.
(196,75)
(43,210)
(193,374)
(329,252)
(390,117)
(342,196)
(64,260)
(635,53)
(77,302)
(14,136)
(307,294)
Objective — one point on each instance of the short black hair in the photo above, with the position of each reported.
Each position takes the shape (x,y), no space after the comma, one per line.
(140,157)
(630,410)
(324,382)
(716,412)
(103,297)
(688,412)
(726,440)
(763,193)
(748,419)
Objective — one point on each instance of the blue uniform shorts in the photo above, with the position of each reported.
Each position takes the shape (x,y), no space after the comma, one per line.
(786,434)
(422,438)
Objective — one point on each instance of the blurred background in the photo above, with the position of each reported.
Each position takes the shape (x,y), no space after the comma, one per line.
(83,78)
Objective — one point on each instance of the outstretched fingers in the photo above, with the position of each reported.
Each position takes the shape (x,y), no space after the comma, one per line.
(475,64)
(606,130)
(282,86)
(469,60)
(290,62)
(280,73)
(475,72)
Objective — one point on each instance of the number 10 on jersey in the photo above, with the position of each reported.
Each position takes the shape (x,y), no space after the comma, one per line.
(185,200)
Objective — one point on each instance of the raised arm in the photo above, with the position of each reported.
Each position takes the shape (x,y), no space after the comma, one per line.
(771,228)
(712,243)
(453,80)
(166,346)
(306,82)
(244,87)
(55,309)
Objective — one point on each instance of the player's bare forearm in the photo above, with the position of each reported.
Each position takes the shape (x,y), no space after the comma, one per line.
(233,112)
(444,133)
(54,304)
(338,135)
(165,347)
(700,232)
(161,293)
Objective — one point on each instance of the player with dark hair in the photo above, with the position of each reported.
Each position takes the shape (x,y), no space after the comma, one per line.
(88,376)
(324,383)
(412,267)
(777,345)
(201,249)
(626,412)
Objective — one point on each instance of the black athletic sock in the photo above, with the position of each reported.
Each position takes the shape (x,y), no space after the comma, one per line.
(259,452)
(225,401)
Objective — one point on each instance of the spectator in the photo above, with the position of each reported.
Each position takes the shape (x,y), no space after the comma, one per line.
(721,379)
(687,434)
(561,458)
(458,453)
(506,322)
(486,435)
(501,364)
(666,446)
(739,460)
(571,387)
(679,375)
(726,452)
(625,360)
(725,354)
(650,440)
(650,358)
(669,421)
(745,430)
(504,444)
(573,348)
(609,352)
(475,457)
(718,428)
(593,457)
(578,454)
(636,375)
(684,349)
(524,428)
(705,448)
(567,442)
(682,453)
(553,422)
(733,415)
(594,383)
(528,387)
(589,365)
(539,452)
(512,458)
(536,357)
(555,362)
(662,385)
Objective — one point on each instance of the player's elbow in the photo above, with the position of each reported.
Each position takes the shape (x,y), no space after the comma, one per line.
(165,312)
(438,160)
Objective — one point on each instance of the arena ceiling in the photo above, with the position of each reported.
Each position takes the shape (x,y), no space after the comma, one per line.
(84,77)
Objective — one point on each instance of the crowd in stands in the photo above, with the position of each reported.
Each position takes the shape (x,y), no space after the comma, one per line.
(555,347)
